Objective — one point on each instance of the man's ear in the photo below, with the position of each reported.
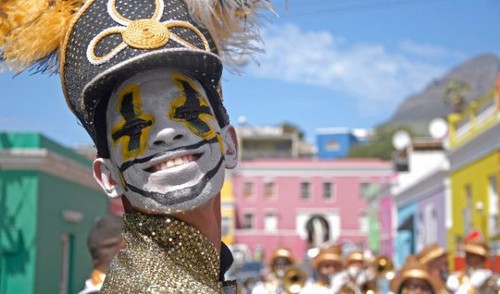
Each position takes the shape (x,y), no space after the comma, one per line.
(230,146)
(106,175)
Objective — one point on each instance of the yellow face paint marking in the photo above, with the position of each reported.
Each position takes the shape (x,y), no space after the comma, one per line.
(133,129)
(192,109)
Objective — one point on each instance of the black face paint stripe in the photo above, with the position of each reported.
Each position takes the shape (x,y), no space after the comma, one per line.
(134,126)
(169,198)
(128,164)
(192,106)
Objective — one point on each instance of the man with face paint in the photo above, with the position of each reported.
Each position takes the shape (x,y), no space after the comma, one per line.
(144,80)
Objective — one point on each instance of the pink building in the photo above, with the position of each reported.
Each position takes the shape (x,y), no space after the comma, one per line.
(302,203)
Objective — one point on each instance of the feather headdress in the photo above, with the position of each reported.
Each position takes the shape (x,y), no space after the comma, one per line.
(32,31)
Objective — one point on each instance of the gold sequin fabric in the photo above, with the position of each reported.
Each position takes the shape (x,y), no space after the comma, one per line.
(163,255)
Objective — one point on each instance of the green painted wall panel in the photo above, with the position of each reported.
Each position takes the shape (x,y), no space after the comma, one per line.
(57,195)
(26,140)
(373,228)
(18,214)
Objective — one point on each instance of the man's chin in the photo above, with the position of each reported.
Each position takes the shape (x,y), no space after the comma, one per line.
(150,206)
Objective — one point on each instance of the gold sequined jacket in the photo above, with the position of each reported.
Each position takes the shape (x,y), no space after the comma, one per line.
(166,255)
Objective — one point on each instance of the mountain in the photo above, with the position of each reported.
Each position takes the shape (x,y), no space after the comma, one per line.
(480,73)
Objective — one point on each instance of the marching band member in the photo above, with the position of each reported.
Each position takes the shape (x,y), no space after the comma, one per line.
(475,278)
(327,264)
(435,258)
(354,274)
(281,259)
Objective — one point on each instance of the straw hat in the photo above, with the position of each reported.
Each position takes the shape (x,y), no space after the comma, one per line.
(282,252)
(354,256)
(330,254)
(430,253)
(474,244)
(413,269)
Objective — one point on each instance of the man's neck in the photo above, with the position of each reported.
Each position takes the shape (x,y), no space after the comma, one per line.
(206,218)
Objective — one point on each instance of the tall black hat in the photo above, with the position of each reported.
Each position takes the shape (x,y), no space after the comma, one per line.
(96,44)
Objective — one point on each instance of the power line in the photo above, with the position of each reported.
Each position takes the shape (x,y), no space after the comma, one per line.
(349,7)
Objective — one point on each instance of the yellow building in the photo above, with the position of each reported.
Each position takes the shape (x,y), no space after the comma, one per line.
(228,213)
(474,138)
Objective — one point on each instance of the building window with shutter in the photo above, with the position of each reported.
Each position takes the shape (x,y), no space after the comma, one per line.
(305,190)
(270,222)
(248,220)
(248,189)
(269,189)
(328,191)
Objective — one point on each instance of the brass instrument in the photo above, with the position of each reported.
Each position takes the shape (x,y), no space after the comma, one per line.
(294,280)
(383,268)
(491,285)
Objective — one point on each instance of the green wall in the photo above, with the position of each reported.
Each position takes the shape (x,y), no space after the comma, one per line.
(57,195)
(374,228)
(18,214)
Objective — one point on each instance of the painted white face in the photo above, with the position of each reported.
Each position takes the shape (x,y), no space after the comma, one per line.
(165,144)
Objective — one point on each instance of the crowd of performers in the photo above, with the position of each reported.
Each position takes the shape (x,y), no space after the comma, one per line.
(355,273)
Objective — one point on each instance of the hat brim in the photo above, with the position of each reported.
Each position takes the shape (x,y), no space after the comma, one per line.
(398,281)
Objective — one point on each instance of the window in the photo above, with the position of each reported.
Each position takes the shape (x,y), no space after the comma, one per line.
(248,189)
(327,191)
(493,205)
(332,146)
(467,210)
(270,222)
(248,221)
(305,190)
(269,189)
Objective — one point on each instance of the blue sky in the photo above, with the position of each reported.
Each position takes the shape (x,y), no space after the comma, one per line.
(328,63)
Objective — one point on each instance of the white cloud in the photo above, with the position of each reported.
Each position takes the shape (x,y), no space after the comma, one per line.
(367,72)
(427,50)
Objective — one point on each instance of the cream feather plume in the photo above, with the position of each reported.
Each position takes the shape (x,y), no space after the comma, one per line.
(233,24)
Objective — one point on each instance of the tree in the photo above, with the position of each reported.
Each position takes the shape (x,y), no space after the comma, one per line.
(290,128)
(454,94)
(380,146)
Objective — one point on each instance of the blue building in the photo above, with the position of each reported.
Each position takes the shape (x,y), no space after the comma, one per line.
(336,142)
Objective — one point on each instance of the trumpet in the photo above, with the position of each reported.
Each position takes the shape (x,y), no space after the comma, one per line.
(383,268)
(294,280)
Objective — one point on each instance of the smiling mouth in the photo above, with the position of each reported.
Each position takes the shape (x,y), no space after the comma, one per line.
(173,162)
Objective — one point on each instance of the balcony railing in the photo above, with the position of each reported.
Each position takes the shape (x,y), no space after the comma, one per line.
(479,115)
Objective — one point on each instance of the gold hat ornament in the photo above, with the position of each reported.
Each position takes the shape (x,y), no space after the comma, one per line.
(96,44)
(413,269)
(430,253)
(329,254)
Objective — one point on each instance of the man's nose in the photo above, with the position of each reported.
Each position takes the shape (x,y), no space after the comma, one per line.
(165,137)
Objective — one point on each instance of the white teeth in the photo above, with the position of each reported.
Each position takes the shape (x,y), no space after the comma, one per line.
(173,162)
